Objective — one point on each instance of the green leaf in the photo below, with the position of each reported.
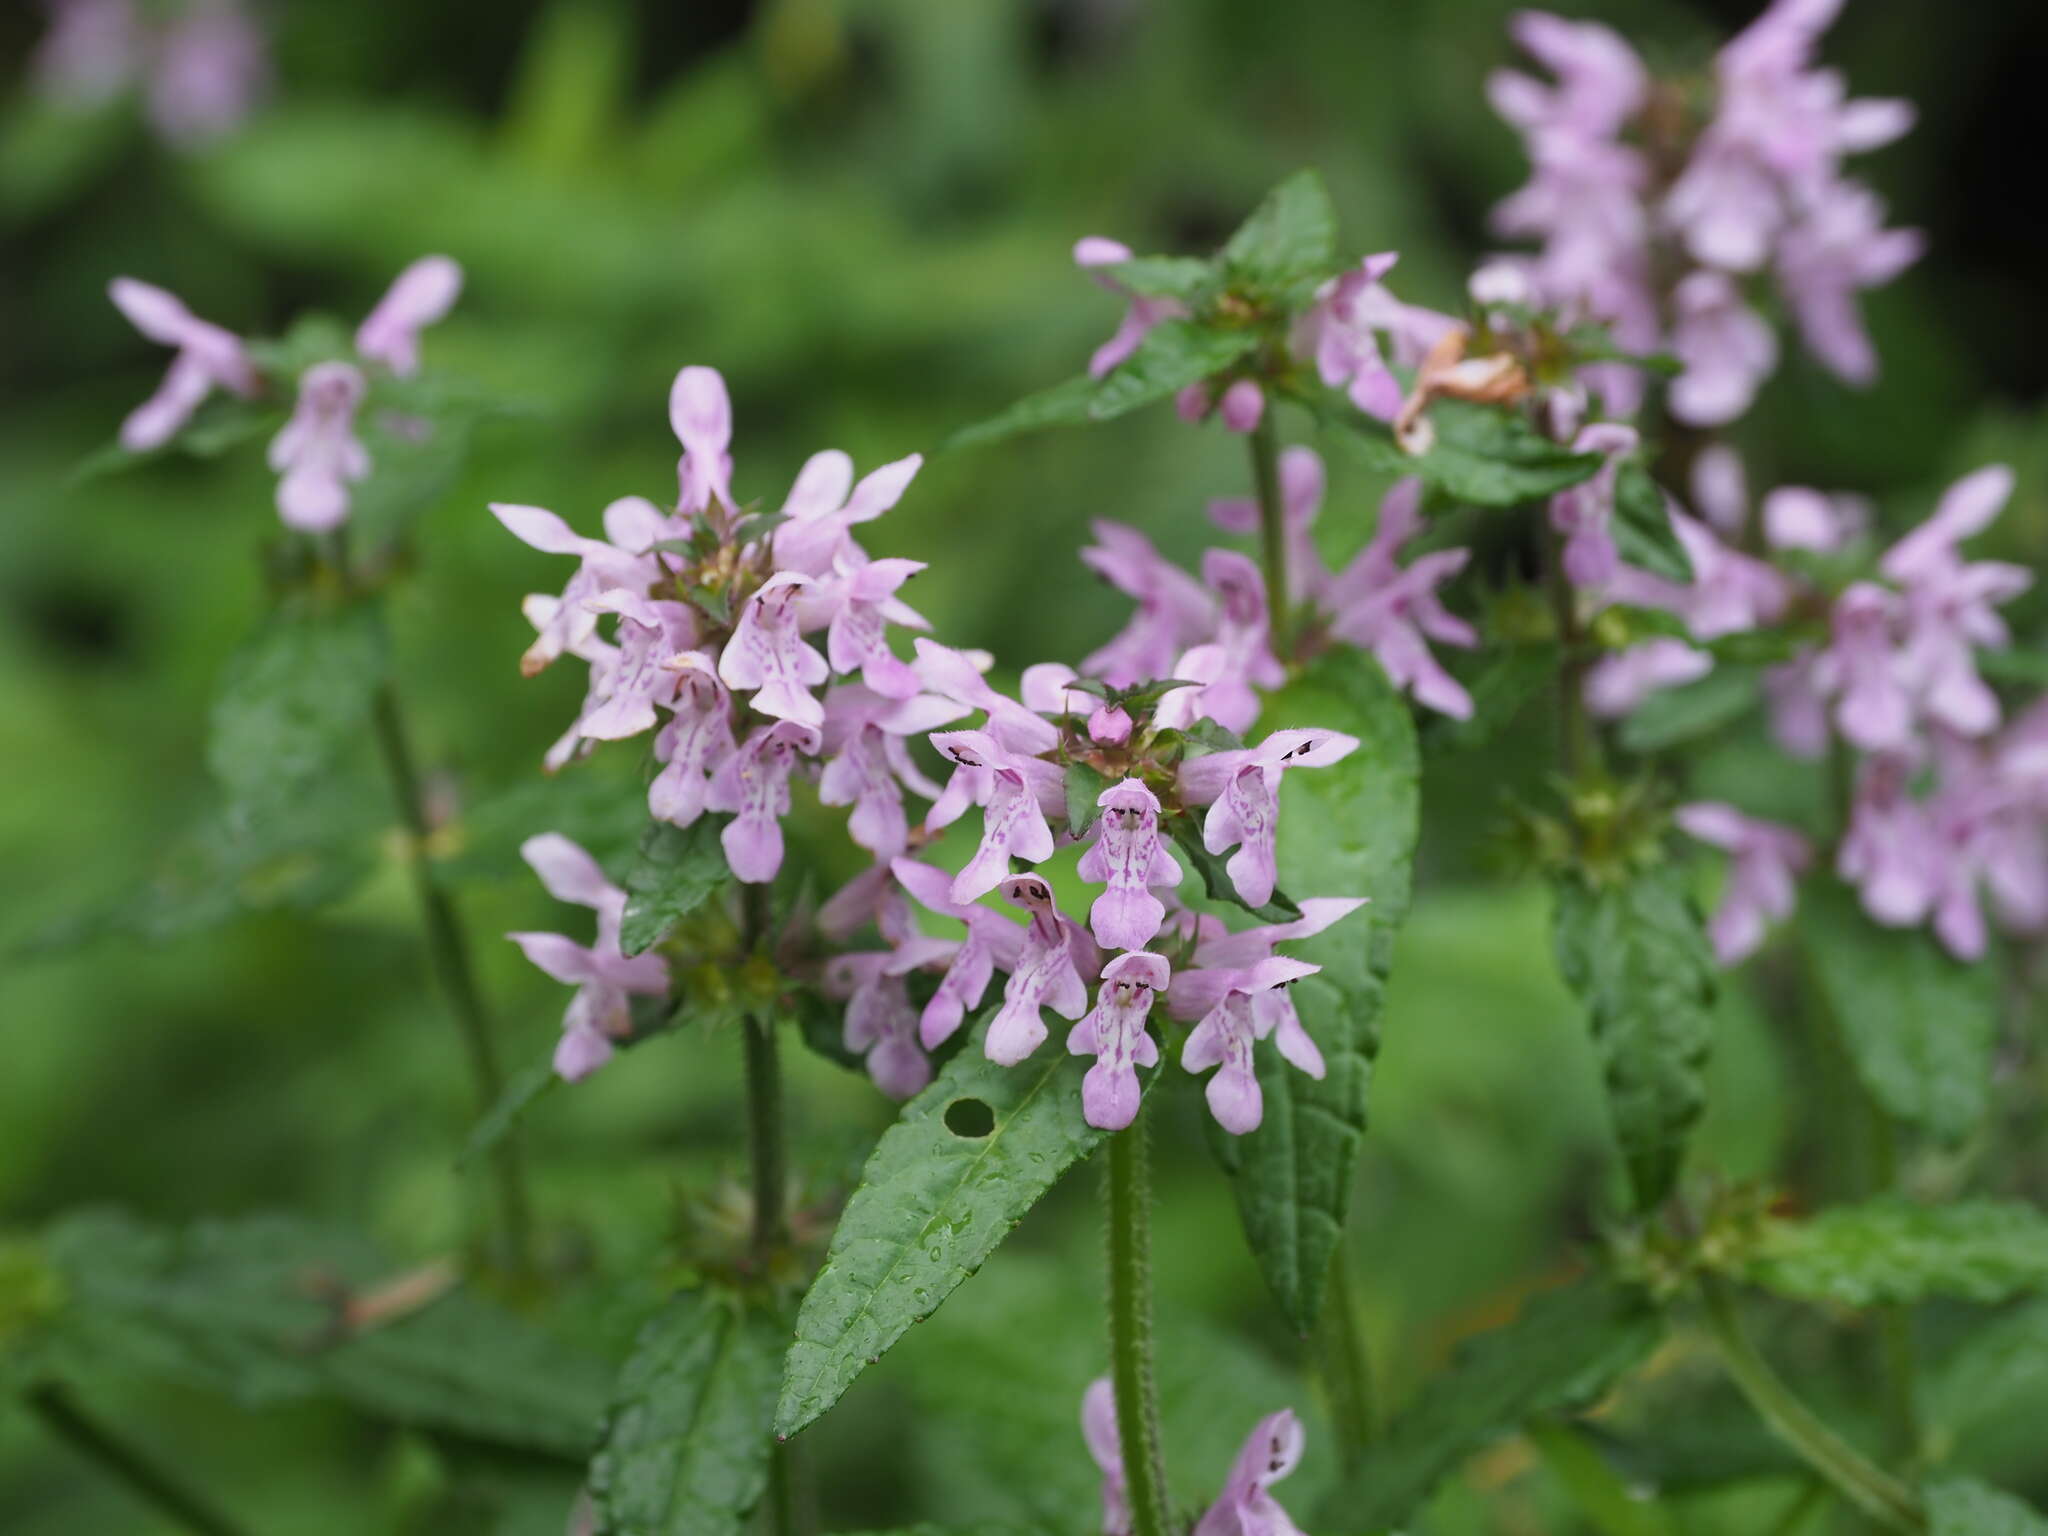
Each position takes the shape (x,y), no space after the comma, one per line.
(931,1206)
(1186,830)
(1988,1397)
(1290,237)
(1643,531)
(1891,1250)
(1187,278)
(675,872)
(1083,785)
(1345,830)
(1483,456)
(1065,404)
(1635,954)
(295,697)
(1962,1506)
(1508,677)
(248,1308)
(1566,1349)
(1671,716)
(1173,355)
(1920,1025)
(685,1448)
(221,423)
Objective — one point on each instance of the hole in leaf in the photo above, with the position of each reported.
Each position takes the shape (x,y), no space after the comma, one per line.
(970,1117)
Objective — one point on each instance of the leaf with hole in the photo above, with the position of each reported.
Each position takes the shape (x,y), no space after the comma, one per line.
(932,1204)
(1345,830)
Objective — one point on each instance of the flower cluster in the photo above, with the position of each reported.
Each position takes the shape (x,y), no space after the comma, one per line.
(1245,1507)
(712,614)
(1621,189)
(317,455)
(201,67)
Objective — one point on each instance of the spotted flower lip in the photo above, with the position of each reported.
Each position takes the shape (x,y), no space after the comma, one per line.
(768,657)
(753,783)
(1246,1506)
(1114,1033)
(209,357)
(1128,856)
(993,942)
(1241,788)
(1008,786)
(1047,973)
(603,976)
(696,740)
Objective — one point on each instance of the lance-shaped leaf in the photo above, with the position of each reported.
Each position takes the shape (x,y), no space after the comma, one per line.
(1083,785)
(943,1186)
(271,1309)
(1989,1396)
(1290,238)
(1643,531)
(1483,456)
(1895,1251)
(686,1443)
(1187,278)
(1962,1506)
(1919,1025)
(294,697)
(1634,951)
(1565,1349)
(1173,355)
(676,869)
(1345,830)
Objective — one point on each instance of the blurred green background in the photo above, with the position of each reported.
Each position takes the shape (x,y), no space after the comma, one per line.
(859,210)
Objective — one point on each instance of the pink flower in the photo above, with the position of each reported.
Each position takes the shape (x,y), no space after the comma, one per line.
(824,507)
(1726,347)
(1237,989)
(1617,683)
(753,782)
(1890,852)
(857,639)
(1837,249)
(992,941)
(1301,497)
(650,635)
(767,654)
(700,413)
(1395,612)
(212,67)
(1342,332)
(868,764)
(1174,610)
(1012,790)
(1861,669)
(696,740)
(421,296)
(881,1022)
(603,977)
(1765,861)
(1246,1507)
(1114,1033)
(317,454)
(1128,856)
(1584,513)
(1241,789)
(956,675)
(631,524)
(1047,974)
(1238,660)
(1093,252)
(209,358)
(1098,1428)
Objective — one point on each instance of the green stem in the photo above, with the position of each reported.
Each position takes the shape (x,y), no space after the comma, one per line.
(61,1415)
(1575,744)
(1869,1487)
(1609,1505)
(1897,1355)
(1802,1508)
(448,953)
(764,1139)
(1265,451)
(1130,1329)
(1345,1364)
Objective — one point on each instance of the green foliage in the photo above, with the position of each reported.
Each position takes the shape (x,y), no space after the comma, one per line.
(1961,1506)
(1892,1250)
(931,1206)
(1565,1349)
(1634,952)
(1289,240)
(1919,1025)
(1671,717)
(1350,827)
(1483,456)
(1083,785)
(255,1309)
(1643,531)
(685,1448)
(1986,1400)
(522,1089)
(295,697)
(676,870)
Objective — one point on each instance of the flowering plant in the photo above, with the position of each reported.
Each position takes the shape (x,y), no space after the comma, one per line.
(1039,904)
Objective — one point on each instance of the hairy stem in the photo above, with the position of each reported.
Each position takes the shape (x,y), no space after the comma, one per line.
(1265,451)
(1869,1487)
(1130,1329)
(61,1415)
(448,952)
(1345,1366)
